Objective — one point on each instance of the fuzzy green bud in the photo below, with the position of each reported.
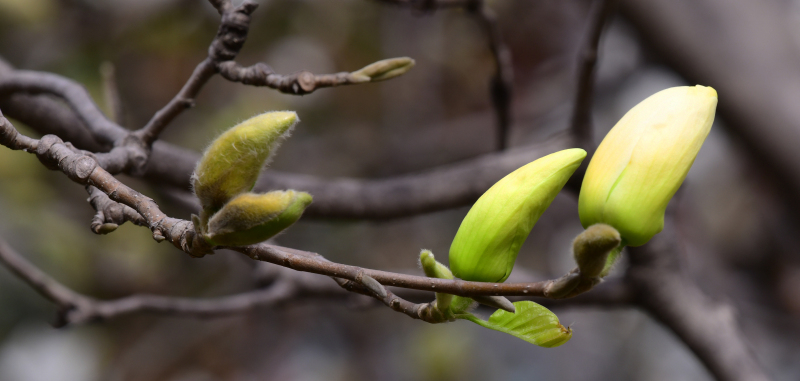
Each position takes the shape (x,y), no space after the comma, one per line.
(489,239)
(233,161)
(383,70)
(251,218)
(643,160)
(432,267)
(592,247)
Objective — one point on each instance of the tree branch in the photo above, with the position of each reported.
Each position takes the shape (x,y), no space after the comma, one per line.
(708,327)
(502,81)
(587,60)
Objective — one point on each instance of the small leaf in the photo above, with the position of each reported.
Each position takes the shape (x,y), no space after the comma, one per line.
(251,218)
(532,323)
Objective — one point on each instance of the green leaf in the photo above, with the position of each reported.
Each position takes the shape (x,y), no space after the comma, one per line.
(532,323)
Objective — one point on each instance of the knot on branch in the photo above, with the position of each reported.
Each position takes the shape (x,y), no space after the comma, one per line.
(110,214)
(232,33)
(137,152)
(182,235)
(57,155)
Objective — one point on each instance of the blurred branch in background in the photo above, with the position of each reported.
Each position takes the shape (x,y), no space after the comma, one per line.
(710,41)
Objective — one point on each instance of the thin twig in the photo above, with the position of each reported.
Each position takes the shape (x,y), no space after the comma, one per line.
(82,168)
(299,83)
(182,101)
(587,61)
(502,82)
(76,308)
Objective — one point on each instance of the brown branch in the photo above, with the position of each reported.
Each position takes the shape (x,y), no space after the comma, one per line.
(431,190)
(707,326)
(182,101)
(587,60)
(82,168)
(111,214)
(76,308)
(75,95)
(299,83)
(502,82)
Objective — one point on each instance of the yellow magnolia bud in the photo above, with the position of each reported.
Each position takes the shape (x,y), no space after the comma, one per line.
(488,240)
(233,161)
(251,218)
(644,159)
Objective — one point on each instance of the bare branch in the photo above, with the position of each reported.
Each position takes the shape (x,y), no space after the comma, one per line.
(183,100)
(222,6)
(587,60)
(299,83)
(708,327)
(111,214)
(31,82)
(502,82)
(83,169)
(76,308)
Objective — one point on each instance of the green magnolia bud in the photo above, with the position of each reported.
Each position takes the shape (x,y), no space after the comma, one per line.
(233,161)
(488,240)
(251,218)
(644,159)
(592,247)
(384,69)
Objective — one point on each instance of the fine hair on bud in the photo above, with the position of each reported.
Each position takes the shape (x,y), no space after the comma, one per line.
(233,161)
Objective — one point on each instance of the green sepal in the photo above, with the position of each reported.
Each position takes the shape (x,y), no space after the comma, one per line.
(233,161)
(532,323)
(252,218)
(462,304)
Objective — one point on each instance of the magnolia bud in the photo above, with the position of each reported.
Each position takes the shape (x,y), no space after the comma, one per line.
(643,160)
(383,70)
(233,161)
(489,239)
(251,218)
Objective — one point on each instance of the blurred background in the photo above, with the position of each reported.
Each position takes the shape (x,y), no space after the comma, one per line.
(736,213)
